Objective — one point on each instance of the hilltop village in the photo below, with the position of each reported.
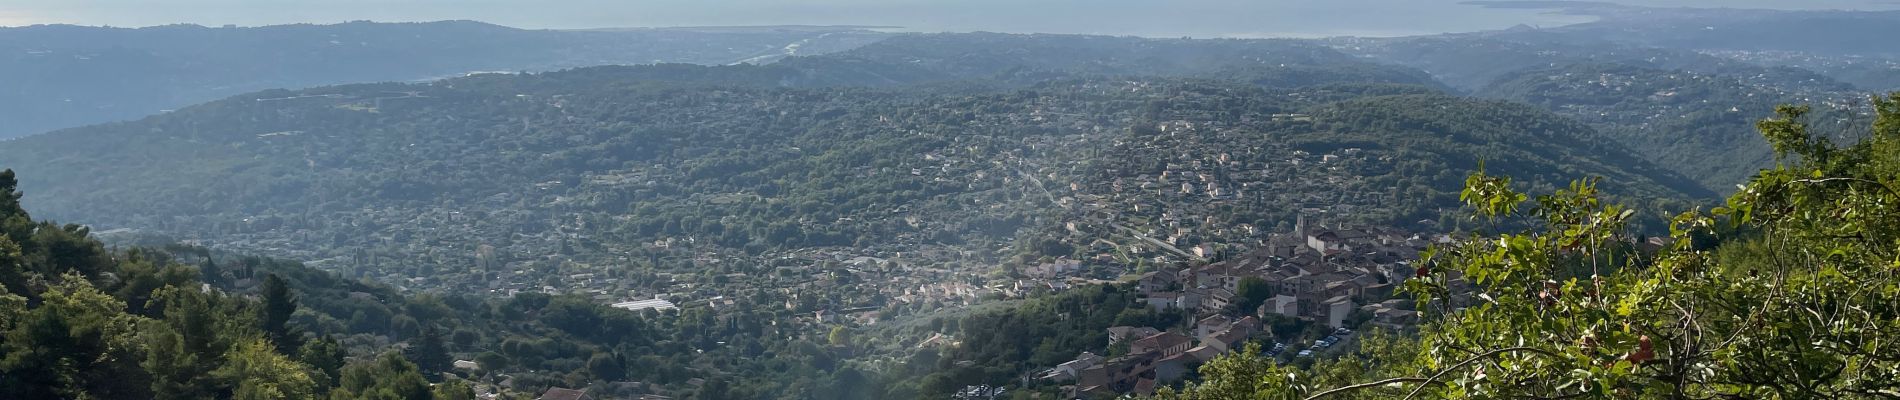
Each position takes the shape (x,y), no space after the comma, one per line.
(1337,280)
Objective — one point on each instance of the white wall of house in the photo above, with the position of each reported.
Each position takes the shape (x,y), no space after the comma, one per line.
(1336,313)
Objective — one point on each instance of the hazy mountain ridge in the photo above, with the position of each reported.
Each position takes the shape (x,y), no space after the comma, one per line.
(89,75)
(1835,43)
(1702,125)
(1687,104)
(1268,62)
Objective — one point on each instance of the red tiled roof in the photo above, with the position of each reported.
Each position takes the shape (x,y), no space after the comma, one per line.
(1145,387)
(1161,341)
(557,393)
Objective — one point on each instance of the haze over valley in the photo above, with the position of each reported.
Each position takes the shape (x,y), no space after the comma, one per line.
(983,200)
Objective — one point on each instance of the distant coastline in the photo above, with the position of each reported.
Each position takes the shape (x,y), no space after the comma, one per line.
(1542,4)
(747,28)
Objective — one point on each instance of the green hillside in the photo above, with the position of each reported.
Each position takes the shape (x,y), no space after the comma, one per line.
(1698,124)
(605,160)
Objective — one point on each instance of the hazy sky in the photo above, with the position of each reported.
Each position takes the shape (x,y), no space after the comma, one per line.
(1136,17)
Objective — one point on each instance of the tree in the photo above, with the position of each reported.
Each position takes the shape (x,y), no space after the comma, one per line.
(840,336)
(326,356)
(389,376)
(1054,248)
(1251,292)
(12,274)
(491,361)
(279,304)
(454,389)
(431,353)
(258,372)
(196,332)
(714,389)
(140,276)
(606,367)
(9,195)
(177,372)
(1794,299)
(209,272)
(79,342)
(12,307)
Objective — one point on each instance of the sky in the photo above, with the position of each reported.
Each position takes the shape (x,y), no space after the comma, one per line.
(1198,18)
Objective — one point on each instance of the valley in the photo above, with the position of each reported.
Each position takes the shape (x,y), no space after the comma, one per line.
(844,213)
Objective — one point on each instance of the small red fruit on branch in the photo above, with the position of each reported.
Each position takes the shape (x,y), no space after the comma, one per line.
(1645,351)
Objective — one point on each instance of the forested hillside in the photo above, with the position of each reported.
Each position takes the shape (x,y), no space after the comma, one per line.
(81,320)
(1472,61)
(1828,42)
(1681,86)
(1701,125)
(1032,58)
(610,158)
(1377,159)
(87,75)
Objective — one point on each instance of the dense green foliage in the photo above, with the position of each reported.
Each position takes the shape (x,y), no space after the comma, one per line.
(84,322)
(1697,124)
(1785,292)
(998,346)
(1504,135)
(80,321)
(1396,159)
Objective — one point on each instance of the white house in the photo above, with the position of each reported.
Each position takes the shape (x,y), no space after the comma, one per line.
(1283,305)
(1073,369)
(1337,308)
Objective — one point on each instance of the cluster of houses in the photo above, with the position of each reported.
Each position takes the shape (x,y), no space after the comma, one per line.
(1154,357)
(1322,275)
(1338,277)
